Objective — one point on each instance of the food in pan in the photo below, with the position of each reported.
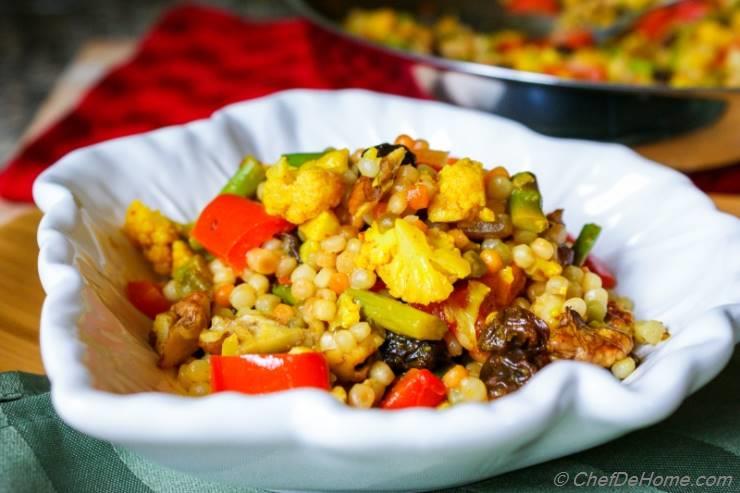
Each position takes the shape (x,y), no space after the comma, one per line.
(693,43)
(392,276)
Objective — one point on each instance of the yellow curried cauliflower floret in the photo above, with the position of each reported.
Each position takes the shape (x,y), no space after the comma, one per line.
(181,253)
(348,313)
(461,191)
(154,233)
(300,194)
(415,268)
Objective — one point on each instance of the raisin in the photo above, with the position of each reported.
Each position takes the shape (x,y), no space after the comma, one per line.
(402,353)
(385,149)
(517,340)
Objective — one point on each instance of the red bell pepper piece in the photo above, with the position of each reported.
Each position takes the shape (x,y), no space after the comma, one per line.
(147,297)
(598,267)
(417,388)
(658,23)
(574,39)
(265,373)
(548,7)
(230,226)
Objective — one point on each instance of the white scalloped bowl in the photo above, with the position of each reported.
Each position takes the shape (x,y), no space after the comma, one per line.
(674,254)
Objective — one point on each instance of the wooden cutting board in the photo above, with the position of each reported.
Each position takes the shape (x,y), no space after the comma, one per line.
(20,290)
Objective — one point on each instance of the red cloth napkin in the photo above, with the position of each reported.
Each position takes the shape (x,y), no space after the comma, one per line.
(197,59)
(194,61)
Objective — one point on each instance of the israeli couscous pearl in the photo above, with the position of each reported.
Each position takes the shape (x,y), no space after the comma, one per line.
(361,395)
(524,237)
(362,279)
(474,368)
(353,245)
(285,266)
(453,346)
(623,368)
(325,259)
(266,303)
(454,376)
(523,257)
(649,331)
(303,272)
(324,310)
(543,248)
(345,262)
(283,313)
(574,290)
(573,273)
(326,294)
(242,296)
(368,167)
(326,342)
(590,281)
(273,244)
(577,305)
(473,389)
(302,289)
(599,295)
(199,389)
(170,291)
(397,203)
(323,277)
(340,394)
(557,285)
(262,261)
(198,370)
(345,341)
(381,372)
(360,330)
(259,283)
(222,273)
(499,187)
(595,311)
(334,244)
(535,290)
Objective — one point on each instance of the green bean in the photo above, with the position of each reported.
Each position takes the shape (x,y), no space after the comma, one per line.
(300,158)
(246,179)
(585,242)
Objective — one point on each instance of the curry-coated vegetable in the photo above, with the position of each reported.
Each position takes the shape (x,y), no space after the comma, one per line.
(399,317)
(525,204)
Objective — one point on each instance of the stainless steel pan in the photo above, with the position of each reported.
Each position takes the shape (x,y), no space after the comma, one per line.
(686,128)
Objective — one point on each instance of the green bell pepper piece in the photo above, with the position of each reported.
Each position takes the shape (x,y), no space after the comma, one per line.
(525,204)
(300,158)
(585,242)
(283,292)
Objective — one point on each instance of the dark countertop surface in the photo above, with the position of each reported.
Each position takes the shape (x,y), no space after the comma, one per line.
(38,38)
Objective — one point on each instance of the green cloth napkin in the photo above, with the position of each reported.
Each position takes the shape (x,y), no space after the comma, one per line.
(39,453)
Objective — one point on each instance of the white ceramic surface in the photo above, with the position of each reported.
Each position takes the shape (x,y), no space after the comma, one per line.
(674,254)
